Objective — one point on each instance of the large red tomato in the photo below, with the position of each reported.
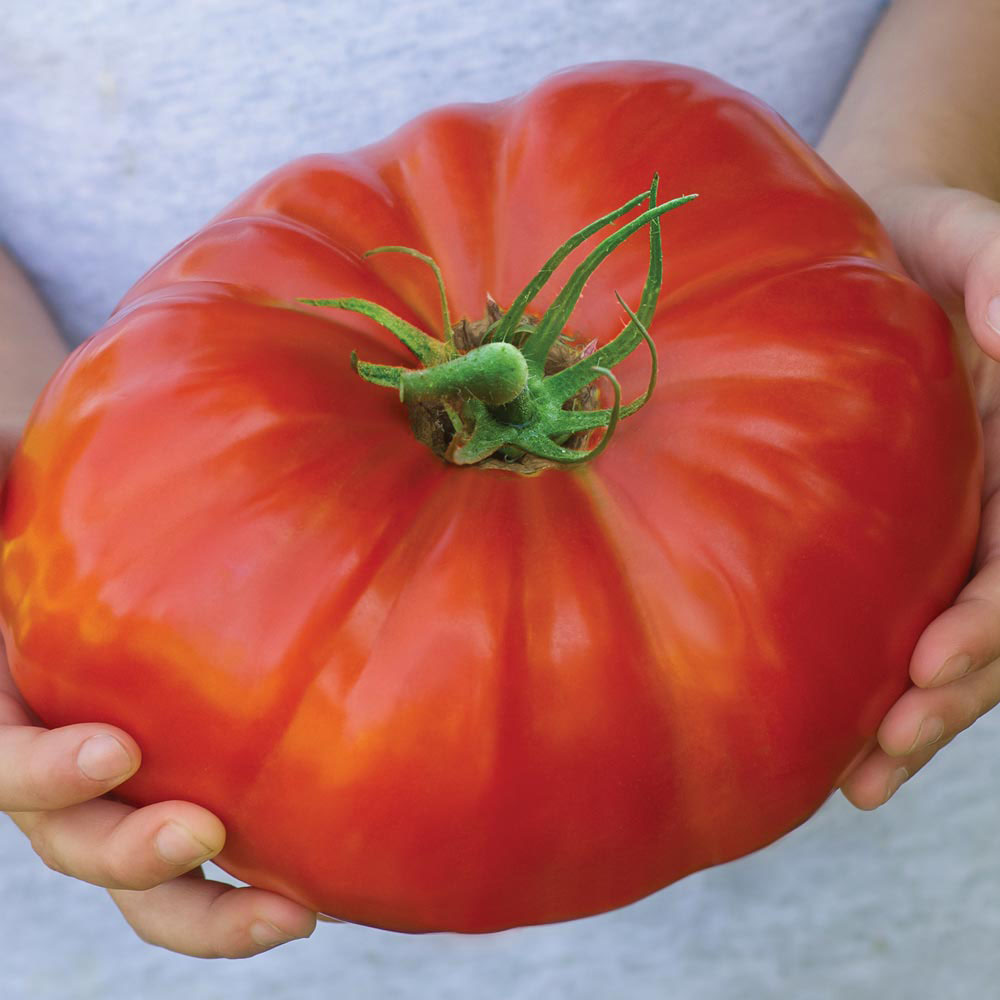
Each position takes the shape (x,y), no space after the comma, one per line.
(429,696)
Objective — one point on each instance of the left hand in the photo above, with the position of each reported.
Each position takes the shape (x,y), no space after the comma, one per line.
(949,241)
(78,831)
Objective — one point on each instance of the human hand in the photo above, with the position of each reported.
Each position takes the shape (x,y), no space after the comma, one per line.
(949,241)
(52,785)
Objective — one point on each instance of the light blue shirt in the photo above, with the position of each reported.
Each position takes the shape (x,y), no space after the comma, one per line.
(126,124)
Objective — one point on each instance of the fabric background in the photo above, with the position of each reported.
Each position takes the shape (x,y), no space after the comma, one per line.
(125,125)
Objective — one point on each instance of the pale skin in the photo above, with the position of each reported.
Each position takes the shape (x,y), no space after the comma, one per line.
(918,135)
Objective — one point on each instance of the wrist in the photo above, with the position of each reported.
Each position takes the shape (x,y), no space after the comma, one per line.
(30,347)
(873,170)
(921,105)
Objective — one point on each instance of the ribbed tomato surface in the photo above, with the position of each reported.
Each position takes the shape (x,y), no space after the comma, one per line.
(423,696)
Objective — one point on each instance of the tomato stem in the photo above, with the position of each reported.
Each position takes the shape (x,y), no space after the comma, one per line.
(493,373)
(493,390)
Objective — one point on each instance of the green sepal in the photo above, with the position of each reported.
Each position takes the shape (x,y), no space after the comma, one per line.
(557,315)
(426,348)
(496,395)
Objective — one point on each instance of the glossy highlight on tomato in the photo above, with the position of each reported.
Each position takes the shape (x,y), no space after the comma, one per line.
(425,696)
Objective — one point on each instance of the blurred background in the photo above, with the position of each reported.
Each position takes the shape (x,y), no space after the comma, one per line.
(125,127)
(127,124)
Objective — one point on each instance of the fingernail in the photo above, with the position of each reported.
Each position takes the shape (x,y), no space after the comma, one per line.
(895,780)
(179,846)
(267,935)
(103,758)
(929,732)
(954,667)
(993,314)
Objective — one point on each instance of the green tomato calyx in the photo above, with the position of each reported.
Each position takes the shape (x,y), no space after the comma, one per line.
(512,391)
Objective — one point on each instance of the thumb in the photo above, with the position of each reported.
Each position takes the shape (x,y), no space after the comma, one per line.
(949,241)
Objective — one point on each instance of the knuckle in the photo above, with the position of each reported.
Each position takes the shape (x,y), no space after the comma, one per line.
(971,708)
(145,937)
(116,875)
(120,871)
(137,881)
(41,782)
(917,761)
(986,257)
(988,608)
(234,949)
(942,212)
(33,788)
(44,845)
(139,927)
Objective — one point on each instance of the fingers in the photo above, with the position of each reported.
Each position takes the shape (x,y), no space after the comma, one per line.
(50,784)
(949,241)
(112,845)
(925,717)
(938,231)
(879,776)
(923,721)
(982,287)
(205,919)
(149,858)
(50,769)
(966,636)
(915,729)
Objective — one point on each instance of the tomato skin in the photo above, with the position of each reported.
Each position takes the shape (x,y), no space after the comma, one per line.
(424,697)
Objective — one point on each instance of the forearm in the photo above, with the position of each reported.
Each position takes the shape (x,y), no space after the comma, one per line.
(30,347)
(924,101)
